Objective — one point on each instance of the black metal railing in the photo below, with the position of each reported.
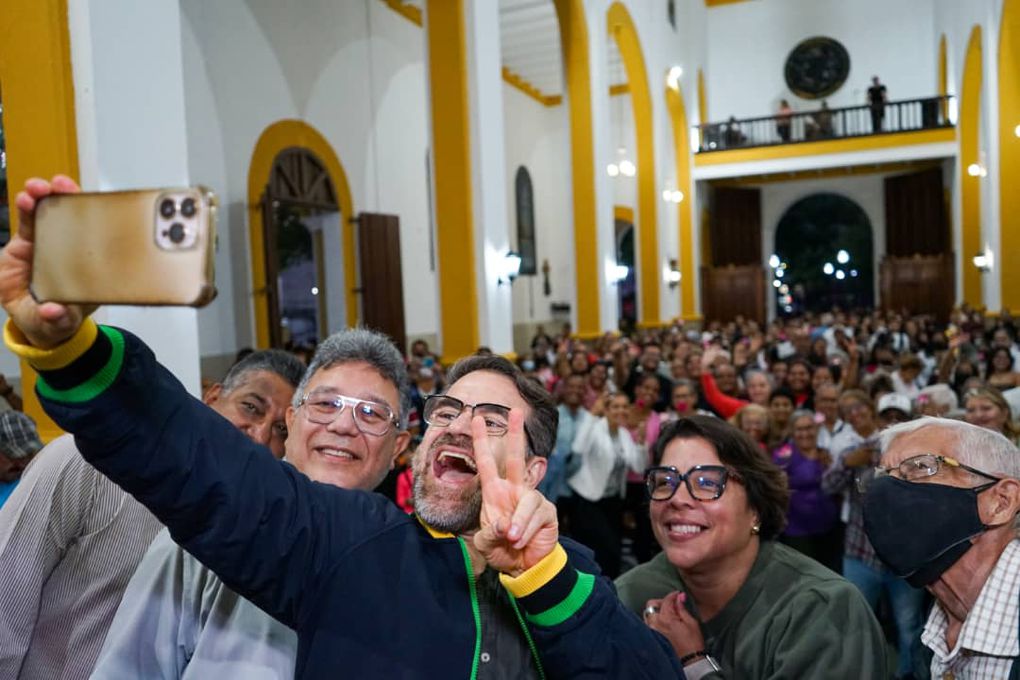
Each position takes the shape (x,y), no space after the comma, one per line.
(825,123)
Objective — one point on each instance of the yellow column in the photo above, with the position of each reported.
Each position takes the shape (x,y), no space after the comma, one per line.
(574,42)
(622,29)
(682,154)
(970,186)
(38,116)
(1009,153)
(451,159)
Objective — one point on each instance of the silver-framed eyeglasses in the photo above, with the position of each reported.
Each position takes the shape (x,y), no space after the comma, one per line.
(371,417)
(441,410)
(917,468)
(704,482)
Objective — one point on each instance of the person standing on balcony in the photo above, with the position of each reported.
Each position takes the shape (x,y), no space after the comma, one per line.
(876,102)
(784,120)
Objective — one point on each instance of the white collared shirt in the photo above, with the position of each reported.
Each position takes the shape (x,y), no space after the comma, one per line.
(988,640)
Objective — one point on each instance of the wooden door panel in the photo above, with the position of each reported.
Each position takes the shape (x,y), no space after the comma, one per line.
(382,287)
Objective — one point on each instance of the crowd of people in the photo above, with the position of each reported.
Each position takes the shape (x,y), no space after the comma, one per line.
(729,502)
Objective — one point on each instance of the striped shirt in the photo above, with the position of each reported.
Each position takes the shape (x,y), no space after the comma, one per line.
(69,541)
(988,640)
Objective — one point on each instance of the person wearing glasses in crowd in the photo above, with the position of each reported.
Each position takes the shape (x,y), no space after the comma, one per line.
(346,425)
(493,588)
(733,602)
(941,512)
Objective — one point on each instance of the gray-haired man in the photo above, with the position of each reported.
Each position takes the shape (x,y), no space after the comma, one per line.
(941,513)
(177,619)
(70,539)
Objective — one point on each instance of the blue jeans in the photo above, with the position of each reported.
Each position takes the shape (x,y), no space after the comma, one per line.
(906,602)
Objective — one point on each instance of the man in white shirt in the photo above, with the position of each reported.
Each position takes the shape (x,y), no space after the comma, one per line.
(941,513)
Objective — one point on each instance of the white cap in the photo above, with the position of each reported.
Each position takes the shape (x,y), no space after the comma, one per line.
(894,400)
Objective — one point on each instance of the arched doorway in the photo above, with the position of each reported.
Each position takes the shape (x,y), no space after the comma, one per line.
(339,243)
(823,256)
(300,218)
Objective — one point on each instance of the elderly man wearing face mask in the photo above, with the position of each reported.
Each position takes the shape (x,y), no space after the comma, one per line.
(941,513)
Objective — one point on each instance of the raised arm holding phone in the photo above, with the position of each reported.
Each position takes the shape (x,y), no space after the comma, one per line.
(478,584)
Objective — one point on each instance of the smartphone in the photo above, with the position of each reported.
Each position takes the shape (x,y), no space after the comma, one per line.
(146,247)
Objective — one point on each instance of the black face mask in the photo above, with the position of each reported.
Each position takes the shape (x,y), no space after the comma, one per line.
(920,530)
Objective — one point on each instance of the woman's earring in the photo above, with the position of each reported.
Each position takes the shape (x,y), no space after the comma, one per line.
(755,529)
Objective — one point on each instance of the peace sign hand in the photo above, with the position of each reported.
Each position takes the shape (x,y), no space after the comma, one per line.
(518,525)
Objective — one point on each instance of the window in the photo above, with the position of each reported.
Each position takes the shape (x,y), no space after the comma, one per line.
(525,201)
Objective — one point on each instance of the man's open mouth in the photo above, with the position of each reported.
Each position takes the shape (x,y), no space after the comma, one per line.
(454,466)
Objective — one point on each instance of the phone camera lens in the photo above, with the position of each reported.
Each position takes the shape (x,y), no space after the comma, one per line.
(188,207)
(167,208)
(176,232)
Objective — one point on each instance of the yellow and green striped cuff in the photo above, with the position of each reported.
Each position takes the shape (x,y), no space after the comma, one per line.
(57,357)
(536,577)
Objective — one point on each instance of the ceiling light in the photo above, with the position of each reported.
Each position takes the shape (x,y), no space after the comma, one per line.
(627,168)
(613,169)
(827,268)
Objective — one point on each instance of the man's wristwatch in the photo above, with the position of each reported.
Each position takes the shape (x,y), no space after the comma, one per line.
(702,667)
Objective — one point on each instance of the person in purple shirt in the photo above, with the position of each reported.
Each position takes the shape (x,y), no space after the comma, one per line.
(813,525)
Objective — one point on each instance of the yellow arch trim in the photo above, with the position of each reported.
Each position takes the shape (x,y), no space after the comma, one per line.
(624,213)
(685,221)
(281,135)
(970,187)
(621,28)
(943,83)
(1009,152)
(39,120)
(702,99)
(451,160)
(574,43)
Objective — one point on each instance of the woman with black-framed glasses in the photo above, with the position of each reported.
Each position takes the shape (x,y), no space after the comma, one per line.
(722,580)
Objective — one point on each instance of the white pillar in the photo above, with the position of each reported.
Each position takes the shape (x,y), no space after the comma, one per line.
(488,173)
(129,104)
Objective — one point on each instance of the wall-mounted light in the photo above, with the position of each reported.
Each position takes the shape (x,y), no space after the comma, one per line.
(673,77)
(1016,131)
(511,267)
(671,273)
(627,168)
(672,195)
(618,273)
(976,170)
(984,260)
(842,256)
(613,169)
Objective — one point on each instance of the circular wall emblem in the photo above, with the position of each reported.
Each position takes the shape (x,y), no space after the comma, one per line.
(817,67)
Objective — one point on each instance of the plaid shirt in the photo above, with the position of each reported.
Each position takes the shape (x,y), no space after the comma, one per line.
(842,480)
(988,640)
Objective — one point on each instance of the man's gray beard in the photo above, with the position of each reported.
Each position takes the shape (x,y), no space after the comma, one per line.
(456,520)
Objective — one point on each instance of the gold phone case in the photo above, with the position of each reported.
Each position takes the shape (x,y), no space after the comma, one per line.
(148,247)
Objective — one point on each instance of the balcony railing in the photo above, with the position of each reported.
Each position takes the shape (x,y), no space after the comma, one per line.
(822,124)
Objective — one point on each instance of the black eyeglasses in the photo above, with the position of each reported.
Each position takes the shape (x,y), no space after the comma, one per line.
(371,417)
(441,410)
(704,482)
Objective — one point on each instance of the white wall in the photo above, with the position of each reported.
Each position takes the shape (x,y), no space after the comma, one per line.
(748,43)
(538,137)
(354,72)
